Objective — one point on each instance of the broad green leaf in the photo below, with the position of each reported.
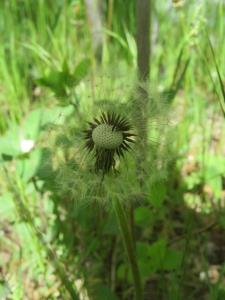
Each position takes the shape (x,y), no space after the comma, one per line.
(56,115)
(151,257)
(28,167)
(143,250)
(172,260)
(147,268)
(144,261)
(10,142)
(157,252)
(143,216)
(32,124)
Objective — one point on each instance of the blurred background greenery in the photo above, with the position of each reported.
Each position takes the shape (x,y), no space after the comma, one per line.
(59,60)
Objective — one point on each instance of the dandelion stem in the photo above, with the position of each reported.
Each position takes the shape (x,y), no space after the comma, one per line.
(129,247)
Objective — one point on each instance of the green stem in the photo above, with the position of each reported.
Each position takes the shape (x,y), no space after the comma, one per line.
(129,247)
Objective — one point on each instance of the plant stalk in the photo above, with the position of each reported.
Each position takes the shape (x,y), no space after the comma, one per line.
(129,247)
(143,16)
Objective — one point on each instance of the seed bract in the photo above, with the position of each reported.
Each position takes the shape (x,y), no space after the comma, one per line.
(107,137)
(104,137)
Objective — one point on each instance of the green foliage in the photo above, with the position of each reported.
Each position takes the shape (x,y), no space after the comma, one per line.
(61,82)
(157,257)
(143,217)
(104,293)
(7,210)
(58,227)
(222,88)
(4,290)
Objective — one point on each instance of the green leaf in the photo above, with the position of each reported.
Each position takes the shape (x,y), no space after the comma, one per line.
(157,194)
(7,208)
(151,257)
(214,170)
(143,216)
(157,252)
(55,81)
(13,142)
(146,268)
(104,293)
(28,167)
(81,70)
(61,82)
(144,262)
(121,271)
(172,260)
(143,250)
(221,101)
(4,290)
(56,115)
(6,157)
(9,143)
(155,257)
(32,124)
(216,185)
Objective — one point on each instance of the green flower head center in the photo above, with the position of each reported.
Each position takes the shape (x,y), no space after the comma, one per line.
(104,137)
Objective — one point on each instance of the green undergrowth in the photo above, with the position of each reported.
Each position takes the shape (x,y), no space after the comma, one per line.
(59,230)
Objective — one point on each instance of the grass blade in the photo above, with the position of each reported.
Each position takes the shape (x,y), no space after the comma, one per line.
(222,104)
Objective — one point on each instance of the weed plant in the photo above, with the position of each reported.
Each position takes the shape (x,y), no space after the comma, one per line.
(110,185)
(59,233)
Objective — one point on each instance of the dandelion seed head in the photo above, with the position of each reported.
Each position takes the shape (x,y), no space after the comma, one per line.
(107,137)
(104,137)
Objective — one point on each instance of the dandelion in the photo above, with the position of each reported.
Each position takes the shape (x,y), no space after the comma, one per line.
(112,136)
(108,137)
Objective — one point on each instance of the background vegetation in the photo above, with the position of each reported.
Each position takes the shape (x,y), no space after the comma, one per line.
(59,232)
